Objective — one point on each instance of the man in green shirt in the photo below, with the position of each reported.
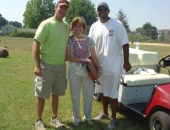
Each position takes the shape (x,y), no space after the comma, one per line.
(48,50)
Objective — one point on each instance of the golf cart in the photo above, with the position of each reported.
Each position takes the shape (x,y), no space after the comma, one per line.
(144,90)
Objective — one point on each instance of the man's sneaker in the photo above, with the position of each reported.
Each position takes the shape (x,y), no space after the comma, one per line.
(112,124)
(56,122)
(101,116)
(90,122)
(39,125)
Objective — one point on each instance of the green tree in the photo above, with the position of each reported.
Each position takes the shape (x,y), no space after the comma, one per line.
(162,37)
(123,18)
(139,30)
(154,33)
(82,8)
(147,29)
(150,31)
(37,11)
(3,21)
(15,24)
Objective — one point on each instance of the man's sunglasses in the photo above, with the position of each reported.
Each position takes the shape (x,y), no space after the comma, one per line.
(102,9)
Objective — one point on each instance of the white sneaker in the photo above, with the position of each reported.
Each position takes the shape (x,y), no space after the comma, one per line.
(57,123)
(39,125)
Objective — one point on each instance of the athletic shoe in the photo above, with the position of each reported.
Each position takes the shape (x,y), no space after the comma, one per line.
(56,122)
(39,125)
(112,124)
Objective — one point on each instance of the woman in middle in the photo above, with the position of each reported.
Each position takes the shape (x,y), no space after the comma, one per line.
(80,47)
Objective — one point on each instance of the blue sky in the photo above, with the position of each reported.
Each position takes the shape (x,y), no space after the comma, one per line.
(138,12)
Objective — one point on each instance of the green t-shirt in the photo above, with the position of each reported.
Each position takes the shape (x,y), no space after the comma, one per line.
(53,36)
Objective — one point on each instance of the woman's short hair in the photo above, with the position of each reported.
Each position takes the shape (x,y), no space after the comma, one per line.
(79,20)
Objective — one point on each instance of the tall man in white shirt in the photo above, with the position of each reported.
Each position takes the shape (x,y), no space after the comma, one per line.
(110,38)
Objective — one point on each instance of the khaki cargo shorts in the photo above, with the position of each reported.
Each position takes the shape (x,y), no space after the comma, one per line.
(53,80)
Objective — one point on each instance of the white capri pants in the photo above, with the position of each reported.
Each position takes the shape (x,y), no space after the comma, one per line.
(87,90)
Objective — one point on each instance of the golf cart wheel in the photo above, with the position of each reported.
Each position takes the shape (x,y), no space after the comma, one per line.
(159,121)
(97,97)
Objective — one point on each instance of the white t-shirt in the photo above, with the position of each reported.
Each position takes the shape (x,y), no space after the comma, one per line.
(109,38)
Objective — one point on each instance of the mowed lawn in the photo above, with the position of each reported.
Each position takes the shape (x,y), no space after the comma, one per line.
(17,100)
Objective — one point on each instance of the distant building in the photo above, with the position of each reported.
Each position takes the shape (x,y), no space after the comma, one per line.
(166,34)
(7,29)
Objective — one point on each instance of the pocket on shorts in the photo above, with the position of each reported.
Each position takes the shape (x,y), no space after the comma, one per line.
(62,89)
(39,87)
(66,84)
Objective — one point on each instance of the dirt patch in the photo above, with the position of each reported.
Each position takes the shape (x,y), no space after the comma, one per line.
(153,44)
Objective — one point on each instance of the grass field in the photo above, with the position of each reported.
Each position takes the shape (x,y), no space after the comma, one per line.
(17,101)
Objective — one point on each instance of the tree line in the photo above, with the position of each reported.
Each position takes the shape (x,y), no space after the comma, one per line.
(4,22)
(38,10)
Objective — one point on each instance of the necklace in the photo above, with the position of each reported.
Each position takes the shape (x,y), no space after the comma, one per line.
(79,36)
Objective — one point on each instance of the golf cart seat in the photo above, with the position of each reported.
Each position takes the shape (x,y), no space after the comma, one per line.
(138,80)
(148,61)
(140,58)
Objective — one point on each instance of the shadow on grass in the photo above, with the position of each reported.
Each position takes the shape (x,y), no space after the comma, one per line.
(133,121)
(5,57)
(97,125)
(126,121)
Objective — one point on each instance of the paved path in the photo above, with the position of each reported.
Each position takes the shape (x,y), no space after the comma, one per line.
(153,44)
